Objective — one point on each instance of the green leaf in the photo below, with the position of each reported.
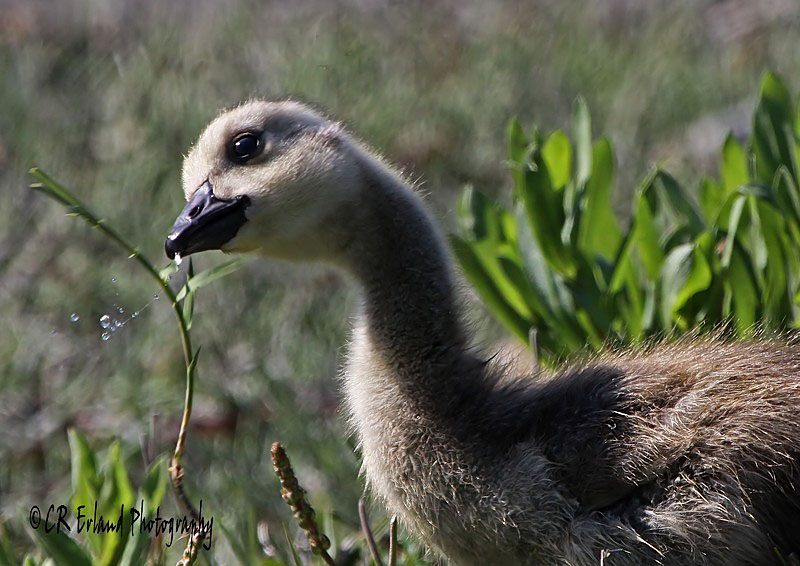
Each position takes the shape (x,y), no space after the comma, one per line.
(595,337)
(155,485)
(684,274)
(212,274)
(622,263)
(193,364)
(469,210)
(797,120)
(631,302)
(569,336)
(741,286)
(757,247)
(61,548)
(188,292)
(647,238)
(535,264)
(545,212)
(151,494)
(329,528)
(592,305)
(6,549)
(599,232)
(786,194)
(573,198)
(733,225)
(771,122)
(712,198)
(674,274)
(680,203)
(561,332)
(557,155)
(780,264)
(517,289)
(168,270)
(85,483)
(119,475)
(480,218)
(734,165)
(518,150)
(649,306)
(512,288)
(517,141)
(486,287)
(188,307)
(486,225)
(116,493)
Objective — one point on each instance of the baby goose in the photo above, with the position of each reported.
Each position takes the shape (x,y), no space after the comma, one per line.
(680,454)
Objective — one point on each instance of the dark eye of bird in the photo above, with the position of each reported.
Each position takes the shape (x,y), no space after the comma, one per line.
(245,146)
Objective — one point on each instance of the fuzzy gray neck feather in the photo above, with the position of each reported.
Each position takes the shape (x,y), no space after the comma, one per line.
(411,384)
(409,303)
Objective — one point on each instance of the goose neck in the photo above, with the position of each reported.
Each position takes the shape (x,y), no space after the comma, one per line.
(402,264)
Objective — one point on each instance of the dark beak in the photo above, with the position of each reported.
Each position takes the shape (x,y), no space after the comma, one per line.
(206,223)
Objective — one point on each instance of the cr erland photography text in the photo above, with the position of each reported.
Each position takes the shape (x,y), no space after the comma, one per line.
(132,521)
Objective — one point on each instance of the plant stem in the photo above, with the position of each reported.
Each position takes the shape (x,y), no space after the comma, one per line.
(56,191)
(393,541)
(295,498)
(373,546)
(53,189)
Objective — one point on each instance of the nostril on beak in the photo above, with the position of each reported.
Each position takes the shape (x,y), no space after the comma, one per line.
(195,210)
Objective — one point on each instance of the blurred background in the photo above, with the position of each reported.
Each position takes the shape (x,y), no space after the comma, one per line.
(107,96)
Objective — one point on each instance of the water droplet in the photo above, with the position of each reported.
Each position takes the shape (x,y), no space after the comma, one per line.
(135,314)
(120,310)
(117,324)
(105,336)
(113,280)
(178,259)
(155,297)
(74,317)
(105,321)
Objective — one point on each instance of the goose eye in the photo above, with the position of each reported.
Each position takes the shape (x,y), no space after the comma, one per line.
(245,146)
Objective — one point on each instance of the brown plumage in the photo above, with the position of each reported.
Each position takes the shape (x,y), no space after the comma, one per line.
(677,454)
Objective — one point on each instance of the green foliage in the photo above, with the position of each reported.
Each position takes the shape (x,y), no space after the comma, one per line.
(107,485)
(559,262)
(104,479)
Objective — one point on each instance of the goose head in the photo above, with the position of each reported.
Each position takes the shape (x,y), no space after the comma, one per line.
(272,177)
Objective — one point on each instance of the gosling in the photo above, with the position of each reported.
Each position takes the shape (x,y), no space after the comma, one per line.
(678,454)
